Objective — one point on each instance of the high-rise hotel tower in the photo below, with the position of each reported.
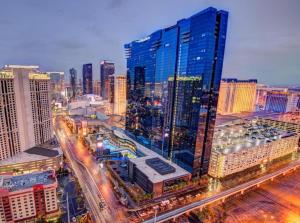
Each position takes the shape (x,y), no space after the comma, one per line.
(173,80)
(25,114)
(236,96)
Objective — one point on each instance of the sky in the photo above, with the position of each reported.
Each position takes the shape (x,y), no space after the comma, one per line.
(263,39)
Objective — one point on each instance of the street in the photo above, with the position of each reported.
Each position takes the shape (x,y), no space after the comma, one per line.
(93,179)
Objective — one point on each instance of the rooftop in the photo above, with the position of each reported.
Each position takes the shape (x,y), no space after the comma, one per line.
(233,138)
(224,119)
(160,166)
(21,182)
(41,152)
(150,163)
(235,80)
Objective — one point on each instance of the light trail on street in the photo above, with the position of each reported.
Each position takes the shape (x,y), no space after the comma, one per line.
(95,185)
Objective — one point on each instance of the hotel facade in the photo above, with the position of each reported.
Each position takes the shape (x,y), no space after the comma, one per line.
(236,96)
(25,109)
(120,95)
(27,197)
(243,145)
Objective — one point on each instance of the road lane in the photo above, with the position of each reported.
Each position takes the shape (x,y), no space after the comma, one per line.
(92,177)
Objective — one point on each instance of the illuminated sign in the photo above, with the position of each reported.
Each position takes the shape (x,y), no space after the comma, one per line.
(6,75)
(186,78)
(39,76)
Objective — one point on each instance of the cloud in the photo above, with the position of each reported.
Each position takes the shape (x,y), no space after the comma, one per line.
(113,4)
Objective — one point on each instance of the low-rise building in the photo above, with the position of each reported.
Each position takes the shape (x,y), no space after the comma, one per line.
(239,146)
(287,121)
(38,158)
(152,172)
(27,197)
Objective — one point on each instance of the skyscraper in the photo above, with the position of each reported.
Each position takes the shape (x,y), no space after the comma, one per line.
(73,81)
(173,82)
(106,69)
(120,95)
(87,79)
(236,96)
(25,112)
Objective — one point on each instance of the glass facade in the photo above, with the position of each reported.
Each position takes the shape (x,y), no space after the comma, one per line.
(173,82)
(87,78)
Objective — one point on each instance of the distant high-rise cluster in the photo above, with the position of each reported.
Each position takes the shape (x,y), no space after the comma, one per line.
(57,84)
(236,96)
(173,82)
(25,113)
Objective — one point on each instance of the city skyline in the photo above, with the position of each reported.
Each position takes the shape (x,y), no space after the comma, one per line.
(202,124)
(256,48)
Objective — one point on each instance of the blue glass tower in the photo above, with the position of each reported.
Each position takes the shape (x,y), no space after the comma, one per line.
(173,82)
(87,78)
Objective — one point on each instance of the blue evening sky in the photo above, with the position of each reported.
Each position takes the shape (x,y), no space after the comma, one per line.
(263,39)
